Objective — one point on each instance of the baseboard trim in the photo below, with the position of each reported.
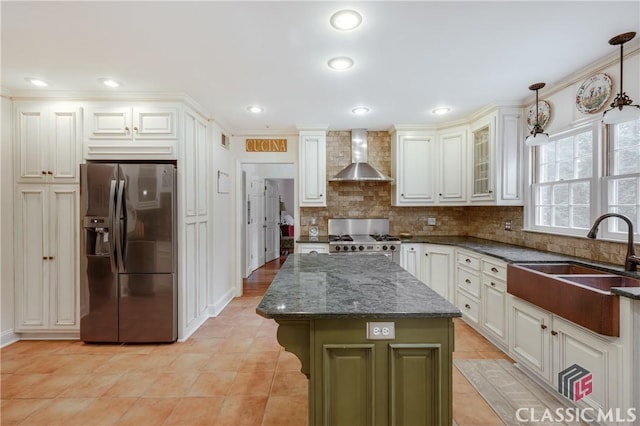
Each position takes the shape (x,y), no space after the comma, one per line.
(221,303)
(7,338)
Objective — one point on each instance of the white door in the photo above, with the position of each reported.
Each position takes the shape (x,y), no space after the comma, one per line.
(272,216)
(256,223)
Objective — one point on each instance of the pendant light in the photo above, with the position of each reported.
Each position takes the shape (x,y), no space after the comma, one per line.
(537,136)
(621,107)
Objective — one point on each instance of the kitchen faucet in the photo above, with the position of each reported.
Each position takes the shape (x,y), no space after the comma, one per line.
(631,260)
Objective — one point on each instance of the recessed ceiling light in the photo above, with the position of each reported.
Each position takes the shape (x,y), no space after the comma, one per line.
(441,110)
(255,109)
(109,82)
(37,81)
(345,20)
(340,63)
(360,110)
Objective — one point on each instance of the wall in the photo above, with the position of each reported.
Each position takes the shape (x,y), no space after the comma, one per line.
(222,287)
(6,224)
(373,199)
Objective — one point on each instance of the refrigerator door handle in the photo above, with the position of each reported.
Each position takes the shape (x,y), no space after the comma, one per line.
(112,245)
(119,229)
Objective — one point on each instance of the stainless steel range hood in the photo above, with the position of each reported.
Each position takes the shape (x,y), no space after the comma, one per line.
(359,169)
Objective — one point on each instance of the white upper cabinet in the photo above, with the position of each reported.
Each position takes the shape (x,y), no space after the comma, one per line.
(496,158)
(452,166)
(131,132)
(313,168)
(412,158)
(47,142)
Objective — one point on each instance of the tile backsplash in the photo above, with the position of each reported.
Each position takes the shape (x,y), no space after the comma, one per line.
(373,199)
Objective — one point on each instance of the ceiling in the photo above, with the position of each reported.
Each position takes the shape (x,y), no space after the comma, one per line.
(410,57)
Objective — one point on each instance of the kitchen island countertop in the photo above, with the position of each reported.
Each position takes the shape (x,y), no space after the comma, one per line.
(312,286)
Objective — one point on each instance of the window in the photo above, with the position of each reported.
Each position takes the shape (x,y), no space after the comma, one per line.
(574,181)
(621,184)
(563,185)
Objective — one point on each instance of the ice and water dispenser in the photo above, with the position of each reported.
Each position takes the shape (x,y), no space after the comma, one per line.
(96,236)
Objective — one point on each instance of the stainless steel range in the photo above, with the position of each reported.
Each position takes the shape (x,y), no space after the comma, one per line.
(362,237)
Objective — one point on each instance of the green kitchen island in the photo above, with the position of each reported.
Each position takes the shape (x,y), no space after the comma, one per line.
(375,342)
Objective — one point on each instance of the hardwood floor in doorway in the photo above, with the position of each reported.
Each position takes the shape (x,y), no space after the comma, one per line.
(260,279)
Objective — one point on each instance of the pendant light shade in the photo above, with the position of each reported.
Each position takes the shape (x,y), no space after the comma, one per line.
(621,108)
(537,136)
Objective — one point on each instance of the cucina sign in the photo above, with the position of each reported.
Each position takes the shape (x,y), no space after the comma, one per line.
(266,145)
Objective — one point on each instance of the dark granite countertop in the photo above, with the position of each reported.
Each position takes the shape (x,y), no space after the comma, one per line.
(315,286)
(318,239)
(513,254)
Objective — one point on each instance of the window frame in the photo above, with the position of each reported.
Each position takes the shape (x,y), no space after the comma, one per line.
(596,128)
(599,188)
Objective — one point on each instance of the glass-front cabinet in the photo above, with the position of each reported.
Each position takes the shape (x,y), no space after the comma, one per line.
(482,135)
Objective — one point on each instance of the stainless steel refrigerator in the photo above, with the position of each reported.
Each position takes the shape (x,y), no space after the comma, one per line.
(128,276)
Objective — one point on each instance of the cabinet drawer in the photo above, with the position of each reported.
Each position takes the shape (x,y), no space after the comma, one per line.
(495,283)
(469,306)
(469,261)
(497,270)
(469,282)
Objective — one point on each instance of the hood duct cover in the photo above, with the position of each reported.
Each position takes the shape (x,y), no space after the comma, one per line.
(359,169)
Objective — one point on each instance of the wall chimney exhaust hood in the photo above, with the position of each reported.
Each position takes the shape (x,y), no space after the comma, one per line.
(359,169)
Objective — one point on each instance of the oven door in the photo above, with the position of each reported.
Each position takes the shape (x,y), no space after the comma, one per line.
(394,255)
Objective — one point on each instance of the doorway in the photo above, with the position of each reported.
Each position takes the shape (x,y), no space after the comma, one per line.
(267,198)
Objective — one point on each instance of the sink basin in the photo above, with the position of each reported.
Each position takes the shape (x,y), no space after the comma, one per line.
(561,268)
(602,282)
(575,292)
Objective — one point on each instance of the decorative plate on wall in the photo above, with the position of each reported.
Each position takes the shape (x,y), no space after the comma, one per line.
(593,93)
(544,114)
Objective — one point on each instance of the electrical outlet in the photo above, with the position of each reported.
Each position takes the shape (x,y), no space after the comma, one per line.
(508,225)
(381,330)
(431,221)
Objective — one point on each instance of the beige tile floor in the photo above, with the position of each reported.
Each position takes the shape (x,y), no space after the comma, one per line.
(232,371)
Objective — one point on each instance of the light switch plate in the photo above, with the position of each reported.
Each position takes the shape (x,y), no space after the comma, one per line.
(381,330)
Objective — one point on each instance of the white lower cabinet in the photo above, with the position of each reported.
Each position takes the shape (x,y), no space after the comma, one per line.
(437,269)
(546,345)
(530,340)
(494,302)
(481,294)
(468,286)
(46,258)
(318,248)
(410,255)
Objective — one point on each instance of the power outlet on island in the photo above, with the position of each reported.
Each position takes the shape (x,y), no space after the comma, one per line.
(431,221)
(381,330)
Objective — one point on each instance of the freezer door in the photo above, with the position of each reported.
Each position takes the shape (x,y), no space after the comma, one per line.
(148,308)
(148,229)
(98,273)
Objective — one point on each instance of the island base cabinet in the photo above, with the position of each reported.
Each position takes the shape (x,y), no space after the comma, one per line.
(356,381)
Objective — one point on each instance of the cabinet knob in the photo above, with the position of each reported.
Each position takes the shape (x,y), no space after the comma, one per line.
(468,281)
(126,129)
(440,194)
(554,333)
(494,270)
(402,195)
(466,305)
(320,195)
(49,172)
(135,129)
(468,260)
(44,173)
(542,326)
(493,284)
(44,257)
(426,254)
(490,191)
